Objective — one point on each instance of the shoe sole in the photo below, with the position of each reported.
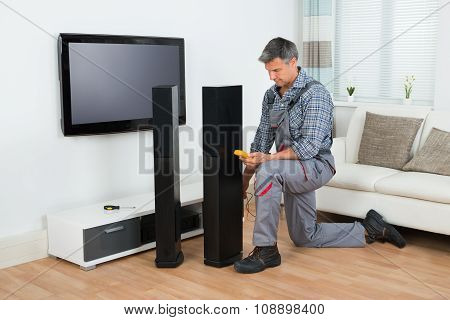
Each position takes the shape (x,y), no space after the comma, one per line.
(401,242)
(273,264)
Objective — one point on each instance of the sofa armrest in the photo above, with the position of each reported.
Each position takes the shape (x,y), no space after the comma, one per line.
(338,150)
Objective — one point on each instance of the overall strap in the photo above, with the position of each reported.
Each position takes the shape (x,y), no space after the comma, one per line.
(270,98)
(301,92)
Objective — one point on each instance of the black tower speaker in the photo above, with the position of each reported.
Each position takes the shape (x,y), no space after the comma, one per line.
(222,175)
(167,180)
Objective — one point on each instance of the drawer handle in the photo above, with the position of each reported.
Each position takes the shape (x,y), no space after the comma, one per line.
(114,229)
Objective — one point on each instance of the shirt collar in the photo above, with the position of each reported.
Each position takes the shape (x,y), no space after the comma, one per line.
(299,82)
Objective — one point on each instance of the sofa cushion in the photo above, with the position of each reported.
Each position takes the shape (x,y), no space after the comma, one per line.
(434,156)
(439,119)
(418,185)
(387,140)
(358,176)
(356,126)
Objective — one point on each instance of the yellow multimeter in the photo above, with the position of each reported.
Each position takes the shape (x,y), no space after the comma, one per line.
(241,153)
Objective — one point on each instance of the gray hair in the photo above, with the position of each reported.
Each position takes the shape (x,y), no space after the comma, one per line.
(279,48)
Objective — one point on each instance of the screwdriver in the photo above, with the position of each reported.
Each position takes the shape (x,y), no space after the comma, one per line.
(110,207)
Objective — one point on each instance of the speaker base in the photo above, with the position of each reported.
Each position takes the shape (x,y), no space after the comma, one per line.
(223,263)
(170,264)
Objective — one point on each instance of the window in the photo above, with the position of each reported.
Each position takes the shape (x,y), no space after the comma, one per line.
(380,42)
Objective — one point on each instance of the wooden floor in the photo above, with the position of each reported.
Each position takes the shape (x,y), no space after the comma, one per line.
(379,271)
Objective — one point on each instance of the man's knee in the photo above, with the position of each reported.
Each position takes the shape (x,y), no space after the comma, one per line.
(308,237)
(269,167)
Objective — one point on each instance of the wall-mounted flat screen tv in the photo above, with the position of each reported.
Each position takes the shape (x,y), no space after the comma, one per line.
(107,80)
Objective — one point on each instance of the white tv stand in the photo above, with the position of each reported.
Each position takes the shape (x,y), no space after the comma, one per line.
(117,233)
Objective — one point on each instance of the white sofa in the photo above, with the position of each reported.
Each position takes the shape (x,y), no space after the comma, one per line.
(411,199)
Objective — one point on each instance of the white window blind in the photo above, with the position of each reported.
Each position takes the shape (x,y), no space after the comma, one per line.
(380,42)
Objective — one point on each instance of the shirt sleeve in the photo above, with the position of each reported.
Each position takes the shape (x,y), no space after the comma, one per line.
(265,134)
(317,124)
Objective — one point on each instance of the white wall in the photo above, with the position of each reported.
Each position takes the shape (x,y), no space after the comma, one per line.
(442,91)
(42,171)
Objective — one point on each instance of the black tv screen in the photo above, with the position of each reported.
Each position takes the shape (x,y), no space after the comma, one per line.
(106,81)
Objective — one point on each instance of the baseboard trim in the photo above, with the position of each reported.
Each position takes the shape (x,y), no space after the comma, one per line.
(23,248)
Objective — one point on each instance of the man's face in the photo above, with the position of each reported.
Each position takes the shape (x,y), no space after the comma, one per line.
(280,72)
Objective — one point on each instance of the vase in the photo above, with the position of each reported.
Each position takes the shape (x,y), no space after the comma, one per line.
(350,98)
(407,101)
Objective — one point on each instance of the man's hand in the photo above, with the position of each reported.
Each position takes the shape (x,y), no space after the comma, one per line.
(255,159)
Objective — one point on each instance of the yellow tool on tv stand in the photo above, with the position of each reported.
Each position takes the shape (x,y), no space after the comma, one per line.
(241,153)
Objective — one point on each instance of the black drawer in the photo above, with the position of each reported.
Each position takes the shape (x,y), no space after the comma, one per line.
(112,238)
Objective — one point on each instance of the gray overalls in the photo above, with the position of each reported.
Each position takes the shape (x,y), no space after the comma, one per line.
(298,180)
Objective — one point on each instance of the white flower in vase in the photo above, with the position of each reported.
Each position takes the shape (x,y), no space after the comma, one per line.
(408,88)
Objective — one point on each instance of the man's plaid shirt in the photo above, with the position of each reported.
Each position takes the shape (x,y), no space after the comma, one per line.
(310,119)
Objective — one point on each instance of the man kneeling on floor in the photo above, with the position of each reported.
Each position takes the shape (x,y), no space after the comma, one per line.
(297,114)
